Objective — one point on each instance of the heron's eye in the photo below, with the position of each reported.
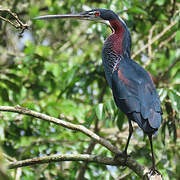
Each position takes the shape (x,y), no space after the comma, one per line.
(97,13)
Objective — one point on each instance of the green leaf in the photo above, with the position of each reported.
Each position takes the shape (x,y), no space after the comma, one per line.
(4,94)
(13,76)
(30,48)
(110,107)
(89,119)
(100,111)
(44,51)
(137,10)
(26,122)
(51,109)
(162,93)
(2,135)
(120,119)
(177,38)
(25,141)
(160,2)
(173,101)
(11,85)
(53,67)
(33,11)
(170,173)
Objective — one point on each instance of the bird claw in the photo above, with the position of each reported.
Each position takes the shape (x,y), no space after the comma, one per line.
(154,171)
(123,156)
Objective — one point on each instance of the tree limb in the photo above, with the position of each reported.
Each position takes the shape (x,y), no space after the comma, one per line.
(64,157)
(81,128)
(140,170)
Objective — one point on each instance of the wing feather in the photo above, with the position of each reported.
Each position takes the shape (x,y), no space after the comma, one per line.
(134,91)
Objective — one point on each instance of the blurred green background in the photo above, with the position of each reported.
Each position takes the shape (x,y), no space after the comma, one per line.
(55,68)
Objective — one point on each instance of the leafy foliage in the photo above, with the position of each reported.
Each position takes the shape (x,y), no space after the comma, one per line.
(56,68)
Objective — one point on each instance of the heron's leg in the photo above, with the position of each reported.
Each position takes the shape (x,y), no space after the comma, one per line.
(153,169)
(124,153)
(153,159)
(129,137)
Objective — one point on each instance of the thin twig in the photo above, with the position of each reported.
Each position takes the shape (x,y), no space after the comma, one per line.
(8,21)
(150,54)
(124,176)
(155,38)
(167,40)
(162,76)
(149,41)
(173,7)
(19,25)
(8,157)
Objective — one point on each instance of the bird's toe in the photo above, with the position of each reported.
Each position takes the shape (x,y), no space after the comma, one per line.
(154,171)
(154,174)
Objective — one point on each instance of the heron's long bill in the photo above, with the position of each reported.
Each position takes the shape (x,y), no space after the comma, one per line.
(80,16)
(63,16)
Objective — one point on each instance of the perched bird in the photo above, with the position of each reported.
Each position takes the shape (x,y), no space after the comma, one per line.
(132,87)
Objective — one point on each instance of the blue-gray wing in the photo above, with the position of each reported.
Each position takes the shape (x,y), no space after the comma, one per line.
(136,95)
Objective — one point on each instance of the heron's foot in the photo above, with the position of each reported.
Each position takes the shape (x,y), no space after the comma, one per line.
(122,157)
(154,174)
(154,171)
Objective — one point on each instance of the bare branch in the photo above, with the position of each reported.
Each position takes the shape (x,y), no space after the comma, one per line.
(100,140)
(140,170)
(8,157)
(63,157)
(18,25)
(149,41)
(150,53)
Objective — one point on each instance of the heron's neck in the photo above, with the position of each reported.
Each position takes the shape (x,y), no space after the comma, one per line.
(117,26)
(120,38)
(116,47)
(116,38)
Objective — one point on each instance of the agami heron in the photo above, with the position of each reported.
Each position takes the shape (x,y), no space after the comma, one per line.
(132,87)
